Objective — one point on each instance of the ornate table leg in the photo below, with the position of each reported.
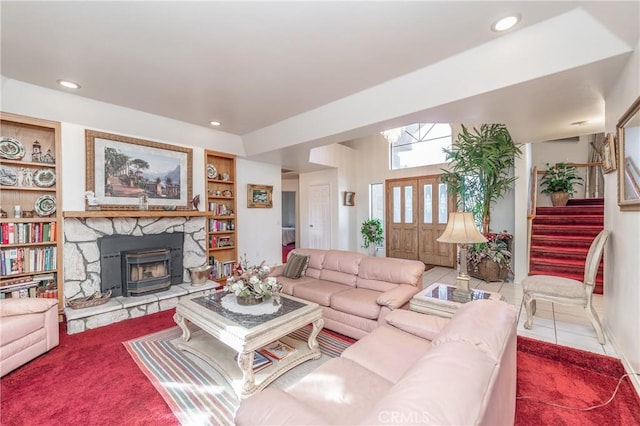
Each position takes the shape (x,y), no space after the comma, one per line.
(313,342)
(245,362)
(186,332)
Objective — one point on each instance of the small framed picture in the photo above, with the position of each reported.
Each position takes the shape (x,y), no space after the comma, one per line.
(349,198)
(609,154)
(259,196)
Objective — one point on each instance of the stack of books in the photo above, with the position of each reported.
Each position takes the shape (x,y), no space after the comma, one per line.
(277,350)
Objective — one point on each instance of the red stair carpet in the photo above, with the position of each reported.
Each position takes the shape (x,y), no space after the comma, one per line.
(561,236)
(90,379)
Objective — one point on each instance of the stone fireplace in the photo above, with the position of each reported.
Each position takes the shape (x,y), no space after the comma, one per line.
(84,273)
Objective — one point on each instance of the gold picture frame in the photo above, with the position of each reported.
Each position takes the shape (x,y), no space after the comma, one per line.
(121,169)
(609,154)
(349,198)
(259,196)
(628,131)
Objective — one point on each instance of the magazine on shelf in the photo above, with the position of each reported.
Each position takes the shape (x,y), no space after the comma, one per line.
(278,350)
(259,361)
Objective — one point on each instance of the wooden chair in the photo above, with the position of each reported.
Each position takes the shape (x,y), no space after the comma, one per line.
(566,291)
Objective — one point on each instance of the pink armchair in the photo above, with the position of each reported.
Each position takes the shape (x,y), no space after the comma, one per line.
(29,327)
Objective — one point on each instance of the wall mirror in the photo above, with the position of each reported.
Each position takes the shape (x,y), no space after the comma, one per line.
(628,131)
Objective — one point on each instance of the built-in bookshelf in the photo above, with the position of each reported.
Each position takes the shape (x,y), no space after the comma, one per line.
(220,172)
(30,223)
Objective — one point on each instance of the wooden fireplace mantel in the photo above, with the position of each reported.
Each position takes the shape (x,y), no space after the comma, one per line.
(134,213)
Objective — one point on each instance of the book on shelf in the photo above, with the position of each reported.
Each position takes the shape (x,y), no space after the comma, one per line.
(259,361)
(278,350)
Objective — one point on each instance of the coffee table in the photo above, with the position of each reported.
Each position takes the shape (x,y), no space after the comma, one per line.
(227,340)
(438,299)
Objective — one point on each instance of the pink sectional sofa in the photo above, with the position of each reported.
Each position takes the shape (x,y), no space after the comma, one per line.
(28,328)
(355,291)
(416,369)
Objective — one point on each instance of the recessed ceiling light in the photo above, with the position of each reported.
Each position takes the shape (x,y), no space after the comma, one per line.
(68,84)
(215,123)
(506,23)
(580,123)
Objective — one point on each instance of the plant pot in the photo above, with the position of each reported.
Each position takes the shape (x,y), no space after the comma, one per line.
(488,270)
(559,199)
(248,300)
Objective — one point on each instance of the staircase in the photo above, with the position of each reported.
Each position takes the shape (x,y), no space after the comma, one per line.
(561,236)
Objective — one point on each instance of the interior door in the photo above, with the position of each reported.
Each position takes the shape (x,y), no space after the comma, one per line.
(402,215)
(320,217)
(435,205)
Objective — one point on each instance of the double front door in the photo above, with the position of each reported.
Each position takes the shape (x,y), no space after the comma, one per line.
(417,213)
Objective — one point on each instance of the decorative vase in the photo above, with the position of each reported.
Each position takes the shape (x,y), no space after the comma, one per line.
(248,300)
(559,199)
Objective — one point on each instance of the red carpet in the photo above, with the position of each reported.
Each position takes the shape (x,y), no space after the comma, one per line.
(573,378)
(561,236)
(90,379)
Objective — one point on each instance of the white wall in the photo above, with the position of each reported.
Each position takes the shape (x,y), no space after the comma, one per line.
(556,152)
(259,229)
(622,268)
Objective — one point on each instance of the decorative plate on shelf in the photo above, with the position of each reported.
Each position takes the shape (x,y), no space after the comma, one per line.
(8,176)
(11,149)
(45,205)
(44,177)
(212,172)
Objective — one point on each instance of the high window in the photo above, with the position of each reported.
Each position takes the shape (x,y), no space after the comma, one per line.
(418,144)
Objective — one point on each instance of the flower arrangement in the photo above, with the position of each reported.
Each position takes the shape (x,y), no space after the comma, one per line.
(372,232)
(252,281)
(496,249)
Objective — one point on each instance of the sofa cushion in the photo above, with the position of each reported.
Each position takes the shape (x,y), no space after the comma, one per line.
(347,324)
(296,265)
(341,390)
(16,327)
(288,284)
(485,324)
(424,396)
(421,325)
(276,407)
(384,273)
(357,301)
(318,291)
(387,343)
(341,267)
(27,305)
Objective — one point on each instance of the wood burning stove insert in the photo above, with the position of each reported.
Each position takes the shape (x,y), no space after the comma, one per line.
(139,265)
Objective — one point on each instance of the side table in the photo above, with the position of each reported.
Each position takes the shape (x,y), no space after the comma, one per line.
(438,299)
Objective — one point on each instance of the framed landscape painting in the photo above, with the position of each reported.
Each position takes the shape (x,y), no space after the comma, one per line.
(259,196)
(123,170)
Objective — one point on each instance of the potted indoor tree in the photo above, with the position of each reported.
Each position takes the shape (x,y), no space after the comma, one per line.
(558,182)
(372,235)
(480,174)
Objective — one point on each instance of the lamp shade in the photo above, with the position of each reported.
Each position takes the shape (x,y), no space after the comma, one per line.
(461,229)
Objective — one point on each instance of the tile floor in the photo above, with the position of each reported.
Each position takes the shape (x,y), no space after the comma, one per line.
(554,323)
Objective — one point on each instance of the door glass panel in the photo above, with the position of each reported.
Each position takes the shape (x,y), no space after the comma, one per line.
(408,204)
(428,203)
(397,203)
(443,208)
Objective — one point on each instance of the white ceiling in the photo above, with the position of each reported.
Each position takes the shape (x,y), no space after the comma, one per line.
(262,68)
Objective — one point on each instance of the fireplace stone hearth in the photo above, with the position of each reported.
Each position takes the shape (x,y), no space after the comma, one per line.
(82,270)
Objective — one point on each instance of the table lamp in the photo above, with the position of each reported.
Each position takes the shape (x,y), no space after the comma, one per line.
(461,229)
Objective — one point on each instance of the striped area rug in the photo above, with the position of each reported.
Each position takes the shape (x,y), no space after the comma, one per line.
(196,393)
